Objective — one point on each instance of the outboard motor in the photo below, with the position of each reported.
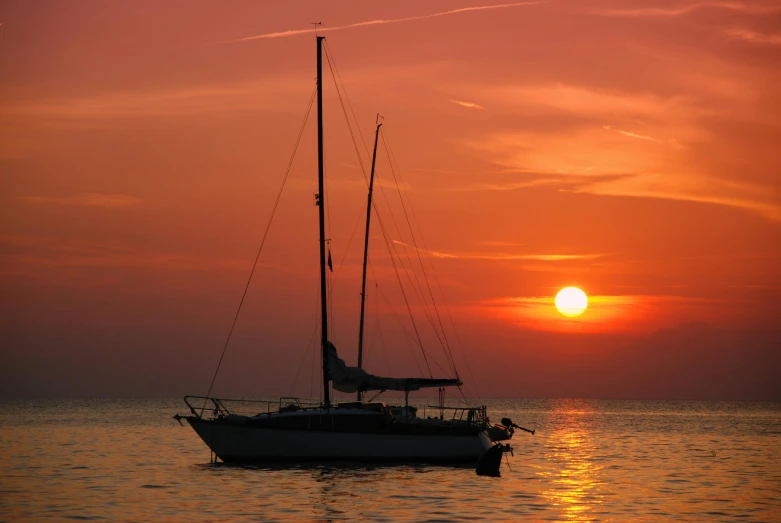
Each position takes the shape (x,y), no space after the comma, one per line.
(507,422)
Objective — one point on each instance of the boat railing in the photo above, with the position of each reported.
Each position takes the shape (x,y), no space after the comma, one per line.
(474,415)
(203,407)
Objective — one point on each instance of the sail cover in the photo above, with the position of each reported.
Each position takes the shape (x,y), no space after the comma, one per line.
(353,379)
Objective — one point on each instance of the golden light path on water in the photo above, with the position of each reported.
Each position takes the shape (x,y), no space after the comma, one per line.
(575,486)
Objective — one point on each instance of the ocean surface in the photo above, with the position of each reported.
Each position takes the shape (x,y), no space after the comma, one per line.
(590,460)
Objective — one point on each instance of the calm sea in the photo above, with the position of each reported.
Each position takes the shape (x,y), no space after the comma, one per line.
(127,460)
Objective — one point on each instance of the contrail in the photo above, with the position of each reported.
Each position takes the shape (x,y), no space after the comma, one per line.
(381,22)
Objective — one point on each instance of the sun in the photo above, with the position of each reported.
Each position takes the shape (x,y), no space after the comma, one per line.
(571,302)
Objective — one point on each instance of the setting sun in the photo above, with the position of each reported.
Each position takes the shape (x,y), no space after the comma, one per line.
(571,302)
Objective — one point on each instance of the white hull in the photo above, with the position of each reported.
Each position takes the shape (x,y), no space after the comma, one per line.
(241,443)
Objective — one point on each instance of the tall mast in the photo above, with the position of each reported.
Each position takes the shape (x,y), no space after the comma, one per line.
(321,209)
(366,251)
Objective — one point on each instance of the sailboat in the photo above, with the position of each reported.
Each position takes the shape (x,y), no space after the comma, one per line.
(351,431)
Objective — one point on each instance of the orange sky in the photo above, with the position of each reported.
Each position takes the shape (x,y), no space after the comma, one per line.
(629,149)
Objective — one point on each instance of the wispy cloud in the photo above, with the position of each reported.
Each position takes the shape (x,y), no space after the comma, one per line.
(754,37)
(508,257)
(633,135)
(87,200)
(470,105)
(686,188)
(580,153)
(510,186)
(686,9)
(592,161)
(639,136)
(296,32)
(648,138)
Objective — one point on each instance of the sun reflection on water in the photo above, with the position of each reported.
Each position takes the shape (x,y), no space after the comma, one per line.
(575,480)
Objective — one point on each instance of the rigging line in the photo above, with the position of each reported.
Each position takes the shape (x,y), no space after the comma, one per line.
(347,119)
(404,294)
(332,65)
(391,246)
(329,275)
(421,296)
(352,237)
(311,340)
(459,343)
(416,287)
(409,309)
(415,284)
(378,332)
(398,231)
(371,332)
(379,183)
(384,349)
(409,336)
(263,241)
(446,346)
(463,396)
(352,136)
(355,145)
(314,352)
(371,326)
(404,330)
(391,249)
(417,251)
(360,161)
(349,104)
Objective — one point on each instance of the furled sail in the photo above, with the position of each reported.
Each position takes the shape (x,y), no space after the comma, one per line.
(353,379)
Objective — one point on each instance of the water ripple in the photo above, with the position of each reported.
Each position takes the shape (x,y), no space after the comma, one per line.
(589,461)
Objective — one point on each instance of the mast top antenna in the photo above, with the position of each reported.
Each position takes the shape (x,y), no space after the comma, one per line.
(315,24)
